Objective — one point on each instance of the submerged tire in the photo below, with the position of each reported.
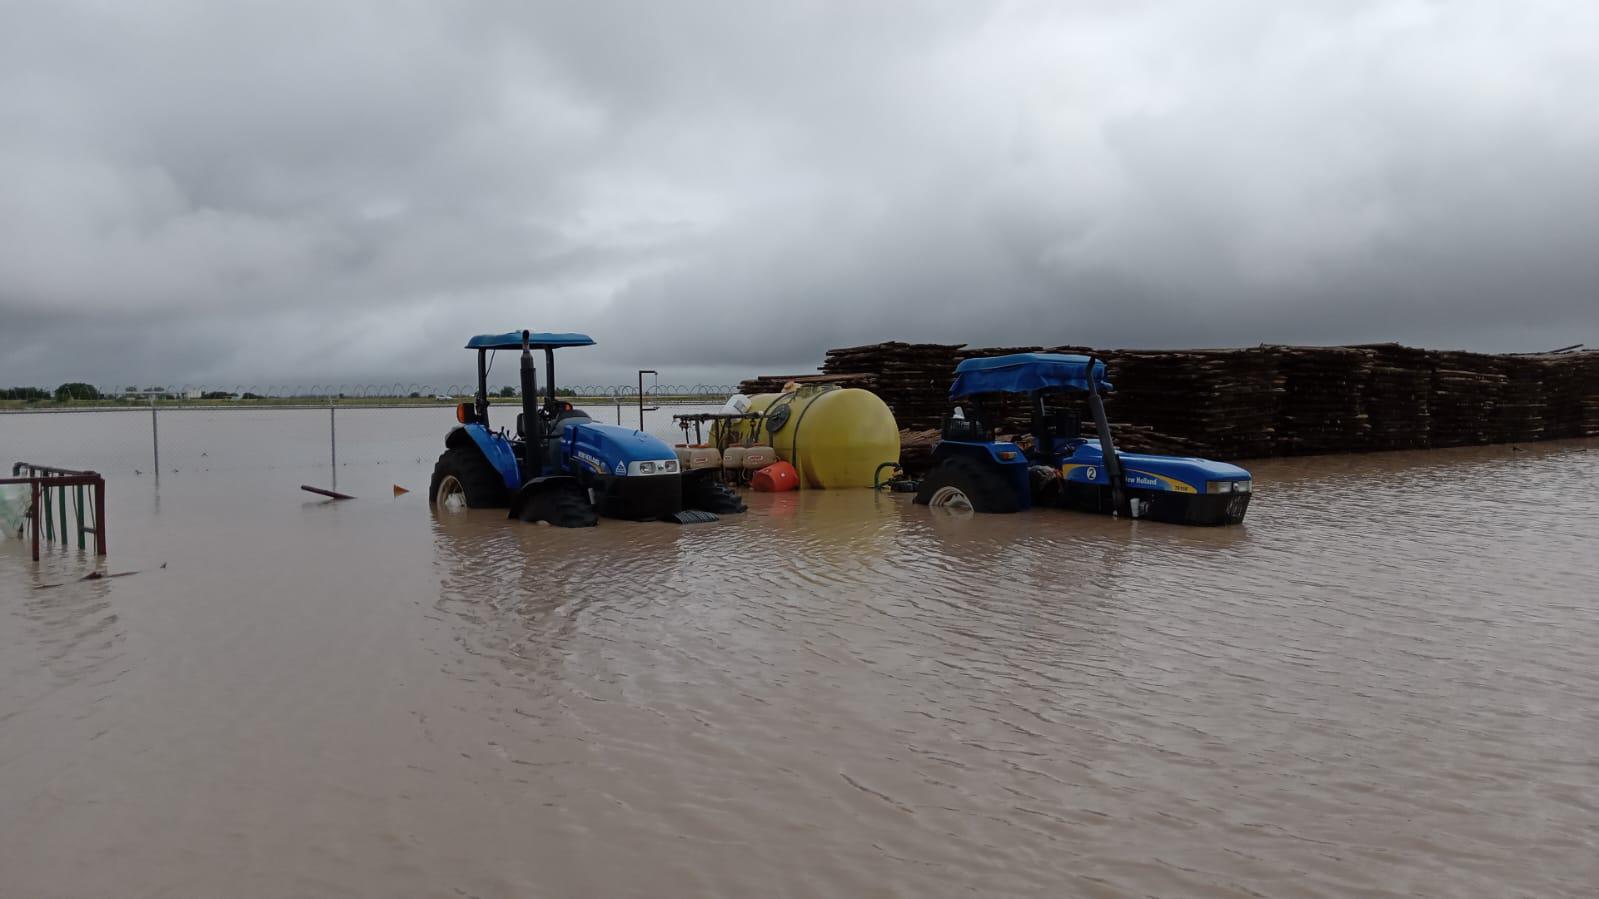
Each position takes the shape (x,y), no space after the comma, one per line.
(462,471)
(707,494)
(564,506)
(961,483)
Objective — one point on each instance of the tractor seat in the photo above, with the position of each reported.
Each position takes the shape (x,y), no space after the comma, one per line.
(555,425)
(968,430)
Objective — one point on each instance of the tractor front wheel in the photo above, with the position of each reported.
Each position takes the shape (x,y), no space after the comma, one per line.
(961,483)
(462,476)
(561,505)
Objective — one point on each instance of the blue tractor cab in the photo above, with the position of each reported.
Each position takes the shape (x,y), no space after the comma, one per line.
(1060,466)
(559,466)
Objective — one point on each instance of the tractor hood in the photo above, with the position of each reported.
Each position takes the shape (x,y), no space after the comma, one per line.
(612,449)
(1180,474)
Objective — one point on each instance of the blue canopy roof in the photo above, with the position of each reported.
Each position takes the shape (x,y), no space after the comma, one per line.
(538,340)
(1025,373)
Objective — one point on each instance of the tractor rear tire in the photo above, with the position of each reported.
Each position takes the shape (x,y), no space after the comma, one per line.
(959,482)
(707,494)
(466,472)
(565,506)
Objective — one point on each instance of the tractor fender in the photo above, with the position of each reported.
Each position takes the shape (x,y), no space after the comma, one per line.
(495,448)
(992,455)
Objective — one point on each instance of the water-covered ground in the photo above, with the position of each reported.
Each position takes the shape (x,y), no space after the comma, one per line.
(1383,684)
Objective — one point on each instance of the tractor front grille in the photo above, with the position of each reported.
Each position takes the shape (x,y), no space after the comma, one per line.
(643,498)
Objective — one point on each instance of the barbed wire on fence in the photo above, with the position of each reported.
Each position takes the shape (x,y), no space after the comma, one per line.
(609,393)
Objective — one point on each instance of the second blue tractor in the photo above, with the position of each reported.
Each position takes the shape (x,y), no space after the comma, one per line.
(1060,467)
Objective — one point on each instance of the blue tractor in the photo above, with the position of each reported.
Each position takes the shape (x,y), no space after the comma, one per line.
(559,466)
(1061,467)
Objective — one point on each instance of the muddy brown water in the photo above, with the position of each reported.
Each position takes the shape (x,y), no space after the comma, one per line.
(1383,684)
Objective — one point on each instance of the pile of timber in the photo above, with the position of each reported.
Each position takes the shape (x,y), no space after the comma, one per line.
(1398,396)
(1260,401)
(1465,399)
(912,378)
(1222,403)
(1523,400)
(916,451)
(1323,404)
(1571,393)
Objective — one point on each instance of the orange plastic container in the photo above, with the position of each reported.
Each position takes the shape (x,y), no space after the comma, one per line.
(775,478)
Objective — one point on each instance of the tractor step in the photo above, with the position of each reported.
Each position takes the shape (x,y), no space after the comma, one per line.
(690,516)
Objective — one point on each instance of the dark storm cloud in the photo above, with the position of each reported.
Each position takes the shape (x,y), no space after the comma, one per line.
(305,192)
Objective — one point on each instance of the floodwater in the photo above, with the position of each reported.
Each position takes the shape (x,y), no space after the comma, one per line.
(1384,684)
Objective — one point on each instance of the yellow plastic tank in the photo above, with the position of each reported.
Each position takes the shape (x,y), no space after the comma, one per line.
(834,437)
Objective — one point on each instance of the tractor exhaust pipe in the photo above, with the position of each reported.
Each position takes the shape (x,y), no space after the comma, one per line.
(1107,447)
(530,399)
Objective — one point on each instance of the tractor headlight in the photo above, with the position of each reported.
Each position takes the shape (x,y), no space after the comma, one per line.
(652,467)
(1228,486)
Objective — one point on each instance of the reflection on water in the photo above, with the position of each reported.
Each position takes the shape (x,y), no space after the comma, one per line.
(1379,685)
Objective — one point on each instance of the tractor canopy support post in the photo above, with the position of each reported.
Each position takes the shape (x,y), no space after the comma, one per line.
(549,380)
(530,420)
(1043,440)
(482,398)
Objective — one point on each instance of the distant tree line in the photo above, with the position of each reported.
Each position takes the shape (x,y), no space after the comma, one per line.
(73,390)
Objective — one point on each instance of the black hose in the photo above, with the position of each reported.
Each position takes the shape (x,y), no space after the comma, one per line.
(880,484)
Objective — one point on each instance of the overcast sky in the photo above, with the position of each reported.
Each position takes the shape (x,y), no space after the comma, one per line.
(285,192)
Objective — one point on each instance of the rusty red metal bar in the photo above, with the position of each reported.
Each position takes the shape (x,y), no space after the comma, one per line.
(41,479)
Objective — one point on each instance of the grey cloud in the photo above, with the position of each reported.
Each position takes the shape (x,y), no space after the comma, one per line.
(298,192)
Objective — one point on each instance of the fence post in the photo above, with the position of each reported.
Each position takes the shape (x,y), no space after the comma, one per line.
(333,441)
(99,518)
(155,437)
(33,512)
